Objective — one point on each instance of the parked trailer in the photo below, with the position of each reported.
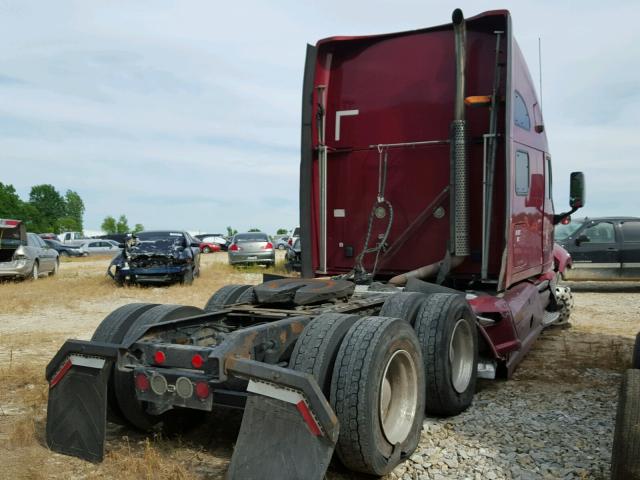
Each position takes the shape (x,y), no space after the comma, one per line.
(427,262)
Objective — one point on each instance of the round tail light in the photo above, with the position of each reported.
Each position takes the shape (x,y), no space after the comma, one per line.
(202,390)
(197,361)
(142,382)
(159,357)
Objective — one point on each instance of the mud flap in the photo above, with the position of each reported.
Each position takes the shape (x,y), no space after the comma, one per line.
(77,407)
(289,431)
(275,441)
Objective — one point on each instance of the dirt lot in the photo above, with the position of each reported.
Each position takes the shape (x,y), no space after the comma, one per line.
(36,317)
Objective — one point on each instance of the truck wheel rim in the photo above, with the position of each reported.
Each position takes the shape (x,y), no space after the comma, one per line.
(461,355)
(398,397)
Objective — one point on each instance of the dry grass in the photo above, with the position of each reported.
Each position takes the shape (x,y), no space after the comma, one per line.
(152,461)
(35,319)
(83,280)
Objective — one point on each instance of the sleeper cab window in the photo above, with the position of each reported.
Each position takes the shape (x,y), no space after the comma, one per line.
(522,173)
(520,112)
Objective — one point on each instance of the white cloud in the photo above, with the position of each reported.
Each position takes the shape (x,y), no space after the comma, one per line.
(200,100)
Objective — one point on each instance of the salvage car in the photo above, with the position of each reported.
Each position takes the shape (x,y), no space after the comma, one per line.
(155,257)
(24,255)
(64,250)
(293,258)
(602,248)
(100,247)
(208,247)
(216,238)
(251,248)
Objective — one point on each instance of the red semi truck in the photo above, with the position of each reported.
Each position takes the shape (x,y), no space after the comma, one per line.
(427,262)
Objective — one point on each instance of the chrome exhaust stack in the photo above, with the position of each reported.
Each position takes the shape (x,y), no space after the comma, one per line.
(459,246)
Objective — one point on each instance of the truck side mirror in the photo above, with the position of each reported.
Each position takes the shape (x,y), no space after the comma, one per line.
(576,194)
(581,239)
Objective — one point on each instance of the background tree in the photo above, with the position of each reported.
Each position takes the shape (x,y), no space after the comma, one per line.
(74,209)
(109,225)
(10,204)
(254,230)
(50,207)
(282,231)
(122,226)
(231,231)
(138,228)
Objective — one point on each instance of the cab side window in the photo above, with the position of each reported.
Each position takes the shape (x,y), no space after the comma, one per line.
(630,232)
(522,173)
(547,177)
(520,113)
(600,233)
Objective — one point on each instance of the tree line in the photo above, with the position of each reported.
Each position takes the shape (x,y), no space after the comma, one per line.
(110,225)
(46,210)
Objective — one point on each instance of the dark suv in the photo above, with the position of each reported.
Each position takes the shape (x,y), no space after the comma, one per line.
(603,248)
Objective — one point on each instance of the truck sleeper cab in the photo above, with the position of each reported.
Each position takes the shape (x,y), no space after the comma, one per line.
(427,261)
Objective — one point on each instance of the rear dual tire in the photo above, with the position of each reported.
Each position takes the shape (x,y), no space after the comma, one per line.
(125,325)
(445,326)
(625,459)
(378,393)
(370,369)
(448,335)
(635,359)
(230,295)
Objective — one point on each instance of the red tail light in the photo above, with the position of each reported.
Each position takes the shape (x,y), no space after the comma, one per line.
(268,246)
(142,382)
(159,357)
(197,361)
(290,242)
(234,247)
(202,390)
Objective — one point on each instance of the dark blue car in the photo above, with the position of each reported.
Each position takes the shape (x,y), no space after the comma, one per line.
(153,257)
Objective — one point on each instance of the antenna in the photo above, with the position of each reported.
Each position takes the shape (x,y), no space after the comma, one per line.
(540,66)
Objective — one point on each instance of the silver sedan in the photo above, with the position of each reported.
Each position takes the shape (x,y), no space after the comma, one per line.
(25,255)
(251,248)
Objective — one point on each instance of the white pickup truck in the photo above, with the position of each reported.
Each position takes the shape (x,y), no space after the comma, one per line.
(73,238)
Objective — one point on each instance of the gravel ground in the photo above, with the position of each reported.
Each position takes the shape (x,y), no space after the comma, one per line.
(522,430)
(554,419)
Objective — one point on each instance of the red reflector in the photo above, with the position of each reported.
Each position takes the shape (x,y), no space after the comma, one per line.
(159,357)
(61,373)
(197,361)
(268,246)
(202,390)
(142,382)
(290,242)
(308,418)
(234,248)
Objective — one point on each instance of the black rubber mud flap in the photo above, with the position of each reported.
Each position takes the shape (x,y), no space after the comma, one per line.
(77,407)
(275,441)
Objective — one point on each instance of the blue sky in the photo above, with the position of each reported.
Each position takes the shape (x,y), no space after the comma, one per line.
(186,114)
